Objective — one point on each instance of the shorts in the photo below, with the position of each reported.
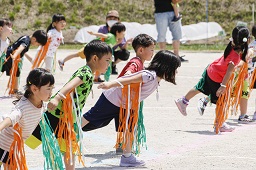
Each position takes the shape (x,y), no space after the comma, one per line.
(122,54)
(81,53)
(101,114)
(164,20)
(3,156)
(208,87)
(7,68)
(48,63)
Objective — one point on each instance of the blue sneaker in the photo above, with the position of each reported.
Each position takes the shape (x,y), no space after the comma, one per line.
(131,161)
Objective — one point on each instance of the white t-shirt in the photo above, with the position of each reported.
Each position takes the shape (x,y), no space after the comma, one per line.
(4,45)
(149,85)
(27,115)
(56,39)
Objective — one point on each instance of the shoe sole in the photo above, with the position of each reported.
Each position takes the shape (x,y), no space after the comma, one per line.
(184,114)
(132,165)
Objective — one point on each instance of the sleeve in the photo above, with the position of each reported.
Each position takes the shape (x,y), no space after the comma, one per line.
(100,30)
(15,115)
(85,75)
(25,41)
(147,76)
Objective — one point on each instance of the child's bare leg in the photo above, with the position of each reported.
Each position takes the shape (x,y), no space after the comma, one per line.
(243,106)
(70,165)
(69,57)
(191,94)
(30,59)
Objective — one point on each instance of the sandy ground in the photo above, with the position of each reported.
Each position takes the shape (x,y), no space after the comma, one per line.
(173,141)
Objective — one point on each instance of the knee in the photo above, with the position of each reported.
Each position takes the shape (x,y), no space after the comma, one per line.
(122,55)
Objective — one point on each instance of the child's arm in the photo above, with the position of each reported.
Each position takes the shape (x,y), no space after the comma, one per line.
(63,92)
(129,41)
(5,123)
(17,52)
(30,59)
(121,81)
(224,82)
(98,34)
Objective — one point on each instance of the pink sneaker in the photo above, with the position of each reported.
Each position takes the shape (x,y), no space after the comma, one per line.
(226,128)
(181,106)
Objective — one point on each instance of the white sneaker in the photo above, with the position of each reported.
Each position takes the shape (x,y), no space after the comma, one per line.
(226,128)
(254,116)
(131,161)
(201,105)
(60,65)
(181,106)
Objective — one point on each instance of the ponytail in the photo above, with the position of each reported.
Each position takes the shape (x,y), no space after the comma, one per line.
(228,50)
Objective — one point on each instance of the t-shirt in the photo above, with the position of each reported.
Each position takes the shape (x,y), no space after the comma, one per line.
(163,6)
(217,70)
(149,85)
(4,45)
(24,41)
(27,115)
(56,39)
(83,90)
(251,62)
(110,40)
(104,30)
(134,65)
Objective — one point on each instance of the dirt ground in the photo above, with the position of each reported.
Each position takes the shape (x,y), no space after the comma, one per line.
(173,141)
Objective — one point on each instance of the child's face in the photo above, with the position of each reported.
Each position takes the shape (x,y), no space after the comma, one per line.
(44,92)
(34,42)
(6,30)
(146,53)
(103,63)
(120,35)
(60,25)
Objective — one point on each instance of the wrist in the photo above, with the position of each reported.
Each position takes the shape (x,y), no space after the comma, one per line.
(62,96)
(222,85)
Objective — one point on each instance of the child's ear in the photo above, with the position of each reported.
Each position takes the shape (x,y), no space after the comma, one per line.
(33,39)
(33,88)
(95,58)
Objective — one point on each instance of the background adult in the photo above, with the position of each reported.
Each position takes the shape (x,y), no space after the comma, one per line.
(122,54)
(164,15)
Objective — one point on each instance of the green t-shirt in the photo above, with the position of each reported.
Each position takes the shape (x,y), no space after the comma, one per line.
(83,90)
(110,40)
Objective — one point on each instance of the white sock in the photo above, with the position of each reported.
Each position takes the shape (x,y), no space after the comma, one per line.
(127,155)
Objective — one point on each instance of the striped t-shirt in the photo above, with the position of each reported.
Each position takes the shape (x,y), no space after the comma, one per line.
(28,117)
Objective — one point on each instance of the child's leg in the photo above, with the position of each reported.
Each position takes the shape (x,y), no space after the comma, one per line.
(30,59)
(70,165)
(48,63)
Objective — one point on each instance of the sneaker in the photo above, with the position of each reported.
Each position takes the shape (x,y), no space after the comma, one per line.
(119,150)
(60,65)
(18,94)
(226,128)
(201,105)
(98,80)
(175,19)
(182,59)
(181,106)
(245,119)
(131,161)
(254,116)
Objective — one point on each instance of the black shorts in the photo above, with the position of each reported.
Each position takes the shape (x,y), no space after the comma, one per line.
(208,87)
(122,54)
(7,68)
(3,155)
(101,114)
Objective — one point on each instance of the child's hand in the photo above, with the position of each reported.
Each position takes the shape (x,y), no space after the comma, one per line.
(90,32)
(104,85)
(220,91)
(52,104)
(129,41)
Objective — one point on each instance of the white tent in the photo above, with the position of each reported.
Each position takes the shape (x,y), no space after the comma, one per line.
(199,31)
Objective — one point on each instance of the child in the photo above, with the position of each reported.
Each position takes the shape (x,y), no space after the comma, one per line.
(55,37)
(25,115)
(98,56)
(175,5)
(114,38)
(252,45)
(143,46)
(14,56)
(216,75)
(163,66)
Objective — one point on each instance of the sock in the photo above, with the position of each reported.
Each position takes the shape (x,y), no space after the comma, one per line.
(242,116)
(185,101)
(127,155)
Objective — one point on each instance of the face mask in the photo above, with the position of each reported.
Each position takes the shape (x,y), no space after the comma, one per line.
(111,22)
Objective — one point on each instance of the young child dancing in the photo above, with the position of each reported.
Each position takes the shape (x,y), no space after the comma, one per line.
(163,66)
(14,55)
(24,117)
(216,76)
(143,46)
(71,98)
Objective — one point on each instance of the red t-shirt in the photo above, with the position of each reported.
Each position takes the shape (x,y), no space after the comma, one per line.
(134,65)
(217,70)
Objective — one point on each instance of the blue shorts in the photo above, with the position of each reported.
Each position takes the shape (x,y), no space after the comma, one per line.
(101,114)
(164,20)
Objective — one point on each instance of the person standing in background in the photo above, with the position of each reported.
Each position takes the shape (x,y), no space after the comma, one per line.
(164,16)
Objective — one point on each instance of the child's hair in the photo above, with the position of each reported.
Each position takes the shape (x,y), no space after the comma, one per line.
(254,31)
(4,22)
(117,27)
(55,18)
(240,37)
(142,40)
(98,48)
(38,77)
(40,36)
(165,64)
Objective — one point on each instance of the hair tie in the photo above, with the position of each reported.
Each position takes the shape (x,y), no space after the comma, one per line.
(244,39)
(29,82)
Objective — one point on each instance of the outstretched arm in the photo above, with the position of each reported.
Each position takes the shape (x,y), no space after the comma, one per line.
(98,34)
(17,52)
(122,81)
(63,92)
(5,123)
